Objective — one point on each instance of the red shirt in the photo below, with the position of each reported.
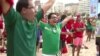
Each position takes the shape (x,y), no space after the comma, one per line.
(69,24)
(63,36)
(78,25)
(64,29)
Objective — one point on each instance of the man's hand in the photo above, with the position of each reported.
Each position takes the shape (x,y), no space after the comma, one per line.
(48,5)
(5,5)
(10,2)
(78,29)
(70,33)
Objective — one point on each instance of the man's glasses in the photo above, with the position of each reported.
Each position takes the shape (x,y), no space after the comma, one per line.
(54,18)
(30,7)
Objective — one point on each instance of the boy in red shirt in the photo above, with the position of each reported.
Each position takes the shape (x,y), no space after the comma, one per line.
(78,34)
(64,35)
(69,26)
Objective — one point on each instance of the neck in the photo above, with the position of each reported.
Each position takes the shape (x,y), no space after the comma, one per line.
(29,19)
(51,25)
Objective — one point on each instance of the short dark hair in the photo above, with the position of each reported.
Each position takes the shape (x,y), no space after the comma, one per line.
(63,17)
(50,14)
(21,4)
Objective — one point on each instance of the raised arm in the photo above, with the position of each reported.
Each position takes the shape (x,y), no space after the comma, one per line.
(5,5)
(64,22)
(48,5)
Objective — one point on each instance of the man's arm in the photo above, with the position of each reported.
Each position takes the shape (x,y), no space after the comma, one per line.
(47,5)
(45,8)
(9,14)
(6,4)
(64,22)
(82,28)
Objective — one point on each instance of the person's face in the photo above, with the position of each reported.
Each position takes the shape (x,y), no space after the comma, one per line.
(30,11)
(78,18)
(45,20)
(53,19)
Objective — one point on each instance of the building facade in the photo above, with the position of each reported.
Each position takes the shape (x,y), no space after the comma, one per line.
(84,6)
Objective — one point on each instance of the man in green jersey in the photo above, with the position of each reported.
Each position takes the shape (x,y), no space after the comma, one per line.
(51,35)
(21,26)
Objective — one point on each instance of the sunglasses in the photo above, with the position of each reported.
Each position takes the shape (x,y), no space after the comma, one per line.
(54,18)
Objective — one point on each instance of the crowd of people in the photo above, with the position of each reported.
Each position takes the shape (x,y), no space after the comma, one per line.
(23,29)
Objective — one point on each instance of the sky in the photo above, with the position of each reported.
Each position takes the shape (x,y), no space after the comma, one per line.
(63,1)
(99,8)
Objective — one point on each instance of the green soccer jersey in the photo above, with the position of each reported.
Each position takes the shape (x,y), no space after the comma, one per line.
(21,34)
(89,26)
(51,38)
